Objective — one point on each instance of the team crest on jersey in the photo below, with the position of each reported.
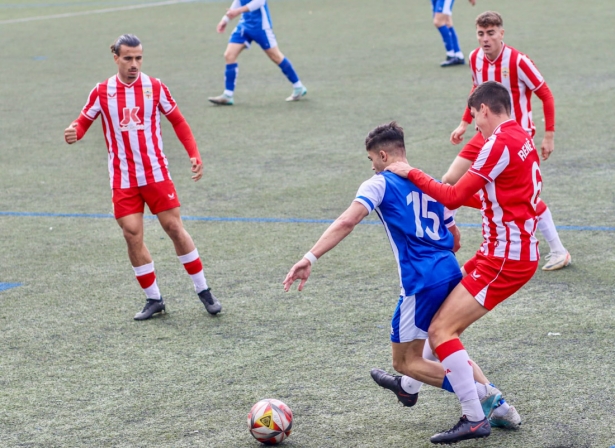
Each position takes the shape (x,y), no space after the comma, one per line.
(505,72)
(147,91)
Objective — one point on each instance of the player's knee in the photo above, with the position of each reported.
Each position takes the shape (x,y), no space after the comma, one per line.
(437,334)
(230,57)
(439,20)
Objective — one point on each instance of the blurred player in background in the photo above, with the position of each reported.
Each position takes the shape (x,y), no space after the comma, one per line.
(496,61)
(130,104)
(505,180)
(443,21)
(254,25)
(423,247)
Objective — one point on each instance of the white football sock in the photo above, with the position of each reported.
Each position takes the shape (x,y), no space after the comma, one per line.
(548,230)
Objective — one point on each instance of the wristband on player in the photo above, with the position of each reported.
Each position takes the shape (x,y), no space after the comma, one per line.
(311,258)
(225,18)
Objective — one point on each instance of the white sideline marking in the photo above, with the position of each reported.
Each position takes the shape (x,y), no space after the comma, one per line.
(96,11)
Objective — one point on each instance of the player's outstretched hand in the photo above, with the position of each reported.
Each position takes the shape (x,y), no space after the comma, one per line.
(70,134)
(472,2)
(456,237)
(197,168)
(457,134)
(399,168)
(548,145)
(221,27)
(300,271)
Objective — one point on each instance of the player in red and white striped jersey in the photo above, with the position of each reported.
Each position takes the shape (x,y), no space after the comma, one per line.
(506,176)
(130,104)
(496,61)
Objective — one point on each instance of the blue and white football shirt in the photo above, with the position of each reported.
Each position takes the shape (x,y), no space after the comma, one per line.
(417,229)
(257,18)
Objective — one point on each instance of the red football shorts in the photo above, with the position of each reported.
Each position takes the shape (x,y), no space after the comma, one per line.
(159,197)
(472,148)
(492,280)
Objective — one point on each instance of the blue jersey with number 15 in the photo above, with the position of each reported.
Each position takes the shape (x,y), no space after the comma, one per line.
(417,229)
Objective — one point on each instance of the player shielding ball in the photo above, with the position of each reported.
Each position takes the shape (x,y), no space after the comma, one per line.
(254,26)
(416,226)
(496,61)
(506,176)
(130,104)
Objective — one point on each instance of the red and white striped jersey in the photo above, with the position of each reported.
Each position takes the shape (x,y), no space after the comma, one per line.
(517,73)
(509,162)
(131,126)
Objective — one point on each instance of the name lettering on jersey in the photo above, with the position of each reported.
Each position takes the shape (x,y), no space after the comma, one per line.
(148,93)
(526,149)
(131,120)
(505,72)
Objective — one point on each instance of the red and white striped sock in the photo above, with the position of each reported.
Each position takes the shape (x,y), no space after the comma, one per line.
(194,268)
(147,279)
(459,372)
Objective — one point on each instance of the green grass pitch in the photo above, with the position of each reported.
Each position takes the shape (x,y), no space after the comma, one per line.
(77,371)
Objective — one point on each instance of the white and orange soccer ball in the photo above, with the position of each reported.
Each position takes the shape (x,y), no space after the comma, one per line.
(270,421)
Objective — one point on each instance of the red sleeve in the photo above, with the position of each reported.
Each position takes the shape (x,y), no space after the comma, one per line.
(82,124)
(184,133)
(548,105)
(452,196)
(467,115)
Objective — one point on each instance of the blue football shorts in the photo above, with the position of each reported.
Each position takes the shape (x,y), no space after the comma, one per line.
(413,314)
(242,35)
(442,6)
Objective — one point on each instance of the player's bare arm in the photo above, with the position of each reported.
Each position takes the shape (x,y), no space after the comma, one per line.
(336,232)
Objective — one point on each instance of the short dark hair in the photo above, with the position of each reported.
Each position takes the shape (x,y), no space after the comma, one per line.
(493,95)
(390,135)
(130,40)
(489,18)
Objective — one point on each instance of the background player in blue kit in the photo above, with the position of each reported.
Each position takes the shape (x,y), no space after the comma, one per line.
(443,21)
(254,25)
(416,226)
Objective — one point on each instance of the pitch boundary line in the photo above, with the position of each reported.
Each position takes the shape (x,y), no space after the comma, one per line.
(95,11)
(259,220)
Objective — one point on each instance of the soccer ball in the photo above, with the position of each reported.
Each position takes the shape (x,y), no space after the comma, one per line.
(270,421)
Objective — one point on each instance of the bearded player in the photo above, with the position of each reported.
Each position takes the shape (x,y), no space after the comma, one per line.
(130,104)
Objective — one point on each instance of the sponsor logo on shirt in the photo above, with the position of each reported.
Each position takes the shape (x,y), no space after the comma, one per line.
(130,120)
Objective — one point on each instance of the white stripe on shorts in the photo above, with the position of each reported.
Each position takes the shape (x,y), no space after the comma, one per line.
(408,331)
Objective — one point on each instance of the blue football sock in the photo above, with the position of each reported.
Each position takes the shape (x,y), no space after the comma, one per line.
(288,70)
(455,43)
(446,37)
(230,74)
(446,385)
(454,40)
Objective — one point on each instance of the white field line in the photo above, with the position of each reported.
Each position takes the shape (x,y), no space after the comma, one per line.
(96,11)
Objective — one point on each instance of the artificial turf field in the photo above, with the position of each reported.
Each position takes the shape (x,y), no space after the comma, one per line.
(77,371)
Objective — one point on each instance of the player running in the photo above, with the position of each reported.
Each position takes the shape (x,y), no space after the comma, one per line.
(423,247)
(254,25)
(443,21)
(496,61)
(130,104)
(506,176)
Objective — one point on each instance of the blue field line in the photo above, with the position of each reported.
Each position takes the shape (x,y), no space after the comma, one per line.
(5,286)
(260,220)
